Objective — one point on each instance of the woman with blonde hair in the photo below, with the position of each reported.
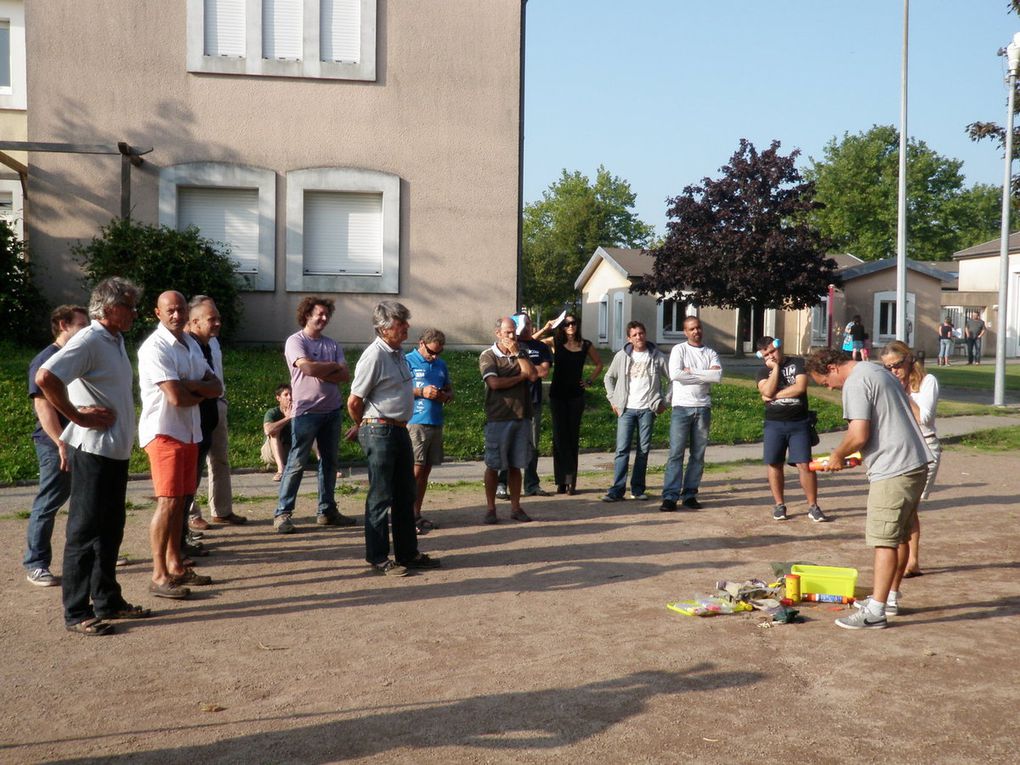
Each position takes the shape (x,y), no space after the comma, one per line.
(922,389)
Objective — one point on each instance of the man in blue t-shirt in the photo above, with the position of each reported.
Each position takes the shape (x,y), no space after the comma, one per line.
(432,391)
(541,358)
(54,474)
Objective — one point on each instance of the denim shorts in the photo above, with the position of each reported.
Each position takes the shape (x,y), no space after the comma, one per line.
(781,435)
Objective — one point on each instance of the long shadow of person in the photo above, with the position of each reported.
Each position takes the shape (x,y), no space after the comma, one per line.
(515,721)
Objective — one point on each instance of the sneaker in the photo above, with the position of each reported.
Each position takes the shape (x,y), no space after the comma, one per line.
(389,568)
(642,497)
(335,519)
(611,498)
(539,492)
(779,513)
(815,513)
(122,560)
(862,619)
(422,561)
(41,577)
(892,608)
(501,492)
(668,506)
(692,503)
(282,524)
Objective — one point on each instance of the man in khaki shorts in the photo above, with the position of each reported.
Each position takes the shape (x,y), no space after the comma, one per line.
(432,391)
(883,429)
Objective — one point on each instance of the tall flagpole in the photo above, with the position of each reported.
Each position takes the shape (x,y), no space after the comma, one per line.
(901,216)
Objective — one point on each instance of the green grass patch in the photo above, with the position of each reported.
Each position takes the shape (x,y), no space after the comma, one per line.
(975,377)
(994,440)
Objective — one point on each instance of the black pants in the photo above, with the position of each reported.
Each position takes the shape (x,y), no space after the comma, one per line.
(566,428)
(95,529)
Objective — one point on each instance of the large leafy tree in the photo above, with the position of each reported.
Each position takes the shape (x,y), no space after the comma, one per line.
(857,186)
(744,238)
(563,228)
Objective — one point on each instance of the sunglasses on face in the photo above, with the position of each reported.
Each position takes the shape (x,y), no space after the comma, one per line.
(431,351)
(570,324)
(896,365)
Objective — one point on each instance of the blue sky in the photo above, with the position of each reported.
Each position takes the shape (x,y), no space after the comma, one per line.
(661,91)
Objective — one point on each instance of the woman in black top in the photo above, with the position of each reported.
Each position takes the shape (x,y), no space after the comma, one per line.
(566,395)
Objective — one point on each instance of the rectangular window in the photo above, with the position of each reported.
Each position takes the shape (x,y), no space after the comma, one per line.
(224,215)
(282,29)
(5,53)
(887,318)
(224,28)
(340,31)
(343,233)
(820,323)
(604,318)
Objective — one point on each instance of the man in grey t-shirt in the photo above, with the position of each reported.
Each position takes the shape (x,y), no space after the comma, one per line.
(973,332)
(883,429)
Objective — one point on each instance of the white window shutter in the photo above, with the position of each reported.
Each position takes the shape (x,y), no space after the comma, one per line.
(224,28)
(224,215)
(282,29)
(343,233)
(340,30)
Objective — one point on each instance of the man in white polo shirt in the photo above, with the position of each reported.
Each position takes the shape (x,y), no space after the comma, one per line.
(174,379)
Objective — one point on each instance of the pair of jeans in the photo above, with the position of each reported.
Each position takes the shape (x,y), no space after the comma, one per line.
(629,421)
(688,426)
(95,529)
(973,349)
(531,481)
(391,491)
(945,347)
(566,422)
(54,489)
(323,429)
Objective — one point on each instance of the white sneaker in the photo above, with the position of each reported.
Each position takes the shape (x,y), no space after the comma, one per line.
(41,577)
(862,619)
(642,497)
(501,492)
(892,608)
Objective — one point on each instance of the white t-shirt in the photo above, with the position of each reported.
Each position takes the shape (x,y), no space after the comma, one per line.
(163,357)
(927,398)
(640,376)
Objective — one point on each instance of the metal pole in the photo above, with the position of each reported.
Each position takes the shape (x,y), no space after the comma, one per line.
(901,215)
(1002,315)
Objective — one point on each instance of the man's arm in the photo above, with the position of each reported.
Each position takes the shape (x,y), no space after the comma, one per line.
(356,409)
(327,371)
(857,435)
(769,386)
(798,388)
(272,429)
(50,423)
(93,417)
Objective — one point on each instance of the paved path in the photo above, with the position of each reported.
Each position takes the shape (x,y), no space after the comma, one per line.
(252,484)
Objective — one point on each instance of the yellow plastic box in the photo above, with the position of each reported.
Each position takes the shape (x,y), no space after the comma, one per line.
(826,580)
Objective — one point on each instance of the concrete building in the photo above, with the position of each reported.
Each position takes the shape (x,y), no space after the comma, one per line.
(360,149)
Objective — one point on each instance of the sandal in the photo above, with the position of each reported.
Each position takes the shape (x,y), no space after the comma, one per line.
(126,611)
(424,525)
(90,627)
(278,477)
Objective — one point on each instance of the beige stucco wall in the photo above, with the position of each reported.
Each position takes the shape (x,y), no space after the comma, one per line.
(14,127)
(982,274)
(859,299)
(605,280)
(443,115)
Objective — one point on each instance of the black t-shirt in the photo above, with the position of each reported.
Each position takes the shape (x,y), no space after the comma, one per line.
(857,333)
(539,353)
(945,331)
(786,408)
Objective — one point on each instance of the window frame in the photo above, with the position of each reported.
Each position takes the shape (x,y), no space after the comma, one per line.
(674,335)
(227,175)
(15,95)
(310,65)
(351,180)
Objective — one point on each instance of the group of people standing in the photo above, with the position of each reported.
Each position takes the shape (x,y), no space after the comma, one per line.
(82,389)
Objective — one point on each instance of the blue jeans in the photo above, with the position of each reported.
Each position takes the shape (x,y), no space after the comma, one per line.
(54,489)
(391,491)
(322,428)
(945,347)
(642,420)
(688,425)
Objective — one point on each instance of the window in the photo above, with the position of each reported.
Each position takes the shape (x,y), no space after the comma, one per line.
(672,312)
(233,204)
(343,230)
(12,55)
(604,318)
(820,322)
(884,319)
(331,39)
(11,206)
(618,335)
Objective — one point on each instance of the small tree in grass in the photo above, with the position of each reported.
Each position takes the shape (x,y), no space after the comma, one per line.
(744,239)
(159,258)
(22,307)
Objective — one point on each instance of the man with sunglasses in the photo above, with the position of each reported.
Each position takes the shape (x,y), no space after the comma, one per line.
(882,427)
(432,391)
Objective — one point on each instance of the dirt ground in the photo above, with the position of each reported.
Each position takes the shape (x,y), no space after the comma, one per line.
(539,642)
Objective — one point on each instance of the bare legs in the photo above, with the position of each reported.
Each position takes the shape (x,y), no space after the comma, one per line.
(165,539)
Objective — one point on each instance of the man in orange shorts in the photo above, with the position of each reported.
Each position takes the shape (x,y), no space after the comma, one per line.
(174,379)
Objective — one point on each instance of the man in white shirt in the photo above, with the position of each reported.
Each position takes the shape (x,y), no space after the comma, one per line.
(693,368)
(174,379)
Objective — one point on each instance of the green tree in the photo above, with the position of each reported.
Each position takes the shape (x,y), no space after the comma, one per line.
(159,258)
(857,187)
(744,238)
(562,230)
(22,307)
